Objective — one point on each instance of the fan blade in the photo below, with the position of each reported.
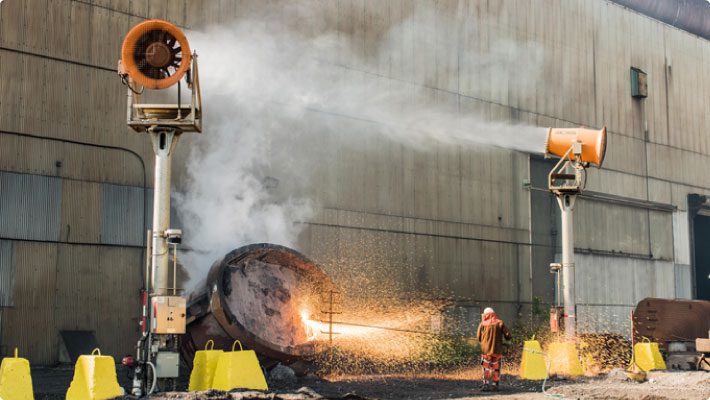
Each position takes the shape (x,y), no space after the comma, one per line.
(145,37)
(176,50)
(152,73)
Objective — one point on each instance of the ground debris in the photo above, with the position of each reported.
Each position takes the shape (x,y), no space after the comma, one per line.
(281,376)
(464,383)
(304,393)
(617,375)
(661,385)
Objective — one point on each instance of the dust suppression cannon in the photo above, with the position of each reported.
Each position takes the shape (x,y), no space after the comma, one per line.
(156,56)
(577,148)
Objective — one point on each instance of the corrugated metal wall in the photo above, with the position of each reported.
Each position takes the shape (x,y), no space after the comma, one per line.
(90,283)
(444,220)
(29,206)
(30,325)
(108,279)
(123,212)
(7,273)
(62,196)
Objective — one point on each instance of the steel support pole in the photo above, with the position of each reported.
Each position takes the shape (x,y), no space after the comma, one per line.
(566,203)
(164,141)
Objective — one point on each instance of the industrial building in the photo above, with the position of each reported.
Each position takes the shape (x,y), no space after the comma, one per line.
(475,226)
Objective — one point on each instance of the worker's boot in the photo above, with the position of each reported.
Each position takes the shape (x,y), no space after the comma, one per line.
(486,387)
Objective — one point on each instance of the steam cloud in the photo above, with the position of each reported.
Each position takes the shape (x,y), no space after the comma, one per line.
(279,83)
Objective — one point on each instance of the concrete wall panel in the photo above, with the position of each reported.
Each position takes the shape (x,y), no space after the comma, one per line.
(683,281)
(661,235)
(615,280)
(611,228)
(681,237)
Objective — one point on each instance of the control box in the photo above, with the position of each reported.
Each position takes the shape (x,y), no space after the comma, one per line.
(169,315)
(167,364)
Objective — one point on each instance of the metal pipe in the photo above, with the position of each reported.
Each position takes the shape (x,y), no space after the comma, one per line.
(164,140)
(558,293)
(148,257)
(619,200)
(175,270)
(566,203)
(129,102)
(689,15)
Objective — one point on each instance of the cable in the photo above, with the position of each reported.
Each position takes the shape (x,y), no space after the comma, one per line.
(125,81)
(155,378)
(378,327)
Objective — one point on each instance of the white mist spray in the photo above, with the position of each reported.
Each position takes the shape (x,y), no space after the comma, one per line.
(263,78)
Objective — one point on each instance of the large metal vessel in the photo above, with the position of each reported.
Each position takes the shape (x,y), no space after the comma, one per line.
(261,294)
(667,320)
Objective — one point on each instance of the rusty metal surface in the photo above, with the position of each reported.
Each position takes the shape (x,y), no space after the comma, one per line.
(255,294)
(665,320)
(690,15)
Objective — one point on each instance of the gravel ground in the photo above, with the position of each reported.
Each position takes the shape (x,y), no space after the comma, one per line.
(51,383)
(661,385)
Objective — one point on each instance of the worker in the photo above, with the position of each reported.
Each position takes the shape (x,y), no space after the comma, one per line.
(490,334)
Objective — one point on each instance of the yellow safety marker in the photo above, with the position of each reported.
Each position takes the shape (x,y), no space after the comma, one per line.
(564,359)
(94,378)
(239,370)
(203,367)
(532,366)
(648,356)
(15,379)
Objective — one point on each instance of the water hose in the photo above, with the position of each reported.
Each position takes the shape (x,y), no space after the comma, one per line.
(547,373)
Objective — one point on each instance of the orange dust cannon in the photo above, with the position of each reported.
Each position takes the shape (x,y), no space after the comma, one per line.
(577,148)
(156,56)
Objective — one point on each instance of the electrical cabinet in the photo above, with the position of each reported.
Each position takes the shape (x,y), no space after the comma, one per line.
(167,364)
(168,315)
(639,86)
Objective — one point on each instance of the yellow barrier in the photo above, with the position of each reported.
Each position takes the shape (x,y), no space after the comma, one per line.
(239,370)
(94,378)
(648,356)
(15,379)
(564,359)
(203,367)
(532,366)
